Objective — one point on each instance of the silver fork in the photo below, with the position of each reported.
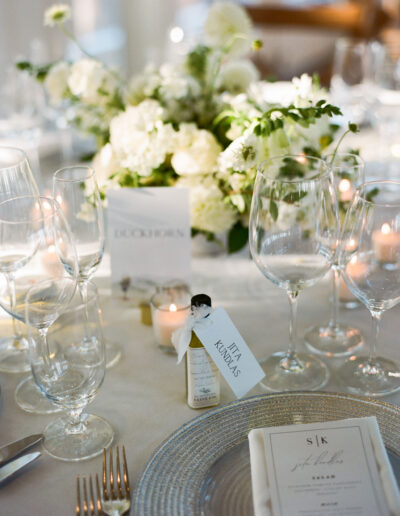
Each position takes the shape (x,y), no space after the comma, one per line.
(90,506)
(116,500)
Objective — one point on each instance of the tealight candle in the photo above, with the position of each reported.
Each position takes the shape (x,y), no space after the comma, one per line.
(169,311)
(354,270)
(386,244)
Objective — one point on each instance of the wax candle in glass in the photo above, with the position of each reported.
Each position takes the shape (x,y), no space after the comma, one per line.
(169,308)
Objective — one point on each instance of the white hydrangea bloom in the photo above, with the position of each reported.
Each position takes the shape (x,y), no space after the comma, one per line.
(105,163)
(208,211)
(87,77)
(56,82)
(140,139)
(57,13)
(196,151)
(236,76)
(224,22)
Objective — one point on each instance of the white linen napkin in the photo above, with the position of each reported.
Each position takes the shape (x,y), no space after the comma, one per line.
(259,477)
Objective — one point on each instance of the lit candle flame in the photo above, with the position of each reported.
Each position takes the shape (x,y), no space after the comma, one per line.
(344,185)
(52,248)
(172,308)
(385,229)
(302,158)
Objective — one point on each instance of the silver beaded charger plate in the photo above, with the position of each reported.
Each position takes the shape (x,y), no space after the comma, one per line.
(203,468)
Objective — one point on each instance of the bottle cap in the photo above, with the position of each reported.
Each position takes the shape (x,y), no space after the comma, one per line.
(200,299)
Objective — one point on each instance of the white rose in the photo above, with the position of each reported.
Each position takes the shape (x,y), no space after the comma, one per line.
(242,154)
(225,22)
(208,211)
(55,82)
(236,76)
(196,151)
(91,82)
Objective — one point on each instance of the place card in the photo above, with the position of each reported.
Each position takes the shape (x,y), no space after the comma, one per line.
(323,469)
(149,234)
(230,352)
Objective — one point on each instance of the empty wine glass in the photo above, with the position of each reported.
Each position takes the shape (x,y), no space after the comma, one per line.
(35,244)
(373,224)
(64,372)
(75,188)
(16,179)
(333,338)
(293,234)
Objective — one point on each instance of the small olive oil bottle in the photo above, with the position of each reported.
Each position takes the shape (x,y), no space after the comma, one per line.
(202,375)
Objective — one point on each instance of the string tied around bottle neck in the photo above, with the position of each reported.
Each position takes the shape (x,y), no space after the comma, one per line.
(197,318)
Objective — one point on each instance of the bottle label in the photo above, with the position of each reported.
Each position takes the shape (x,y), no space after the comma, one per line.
(203,379)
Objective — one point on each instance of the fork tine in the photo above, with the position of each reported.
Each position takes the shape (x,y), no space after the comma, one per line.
(126,477)
(105,491)
(119,476)
(98,495)
(85,497)
(78,497)
(111,476)
(91,497)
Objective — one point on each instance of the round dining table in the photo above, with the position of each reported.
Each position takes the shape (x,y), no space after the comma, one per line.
(143,396)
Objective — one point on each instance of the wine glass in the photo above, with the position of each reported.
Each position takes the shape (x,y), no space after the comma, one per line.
(293,234)
(334,339)
(64,372)
(75,188)
(16,179)
(35,244)
(373,224)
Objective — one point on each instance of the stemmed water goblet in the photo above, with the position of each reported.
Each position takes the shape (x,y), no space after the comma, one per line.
(16,179)
(35,244)
(373,224)
(293,235)
(335,339)
(75,188)
(62,369)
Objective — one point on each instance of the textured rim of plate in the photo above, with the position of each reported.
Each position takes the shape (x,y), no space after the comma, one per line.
(170,481)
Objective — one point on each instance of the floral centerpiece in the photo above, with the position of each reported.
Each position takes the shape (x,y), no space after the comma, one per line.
(204,123)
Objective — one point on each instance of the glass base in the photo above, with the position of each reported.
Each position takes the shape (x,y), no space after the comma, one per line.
(113,354)
(14,355)
(304,372)
(59,442)
(29,398)
(359,377)
(333,342)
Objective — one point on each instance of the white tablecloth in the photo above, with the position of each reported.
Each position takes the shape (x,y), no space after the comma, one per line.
(143,396)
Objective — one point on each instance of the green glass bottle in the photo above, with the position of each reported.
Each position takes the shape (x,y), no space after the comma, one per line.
(202,375)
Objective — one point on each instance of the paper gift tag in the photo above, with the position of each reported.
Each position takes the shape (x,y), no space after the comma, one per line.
(149,234)
(230,352)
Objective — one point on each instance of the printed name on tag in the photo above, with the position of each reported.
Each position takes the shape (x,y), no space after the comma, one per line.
(149,233)
(230,352)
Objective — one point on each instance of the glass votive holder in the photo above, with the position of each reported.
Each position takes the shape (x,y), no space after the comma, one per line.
(169,308)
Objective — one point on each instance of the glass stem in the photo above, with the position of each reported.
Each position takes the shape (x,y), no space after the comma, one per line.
(335,298)
(376,319)
(83,291)
(75,423)
(293,295)
(52,365)
(13,303)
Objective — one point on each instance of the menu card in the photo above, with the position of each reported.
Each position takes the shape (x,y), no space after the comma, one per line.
(337,468)
(149,234)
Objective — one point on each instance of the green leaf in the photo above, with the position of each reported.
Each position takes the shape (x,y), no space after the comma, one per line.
(238,237)
(273,209)
(353,128)
(371,194)
(293,197)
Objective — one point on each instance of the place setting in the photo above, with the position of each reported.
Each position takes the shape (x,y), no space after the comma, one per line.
(200,295)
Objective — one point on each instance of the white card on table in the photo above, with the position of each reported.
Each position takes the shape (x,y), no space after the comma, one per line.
(230,352)
(323,469)
(149,233)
